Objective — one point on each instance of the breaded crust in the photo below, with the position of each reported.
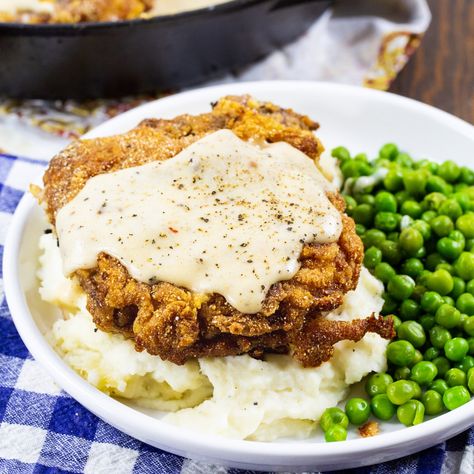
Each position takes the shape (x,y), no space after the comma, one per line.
(178,324)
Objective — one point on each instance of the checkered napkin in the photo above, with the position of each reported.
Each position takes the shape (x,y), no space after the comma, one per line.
(43,430)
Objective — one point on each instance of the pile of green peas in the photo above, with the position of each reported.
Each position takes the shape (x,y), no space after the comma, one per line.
(416,220)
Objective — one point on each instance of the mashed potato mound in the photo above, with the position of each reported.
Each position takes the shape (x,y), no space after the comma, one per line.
(236,397)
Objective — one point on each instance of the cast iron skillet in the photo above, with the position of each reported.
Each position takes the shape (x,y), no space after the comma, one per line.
(114,59)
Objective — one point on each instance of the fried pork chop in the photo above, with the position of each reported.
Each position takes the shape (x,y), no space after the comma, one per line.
(176,323)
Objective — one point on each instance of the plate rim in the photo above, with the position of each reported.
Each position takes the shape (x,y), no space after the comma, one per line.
(285,454)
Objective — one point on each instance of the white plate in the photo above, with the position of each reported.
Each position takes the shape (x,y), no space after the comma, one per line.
(360,119)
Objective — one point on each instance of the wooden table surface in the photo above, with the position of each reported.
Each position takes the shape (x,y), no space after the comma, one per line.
(441,72)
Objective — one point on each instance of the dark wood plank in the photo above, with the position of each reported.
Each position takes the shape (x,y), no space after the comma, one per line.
(441,72)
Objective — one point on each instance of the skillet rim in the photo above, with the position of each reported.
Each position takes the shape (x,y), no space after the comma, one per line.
(68,28)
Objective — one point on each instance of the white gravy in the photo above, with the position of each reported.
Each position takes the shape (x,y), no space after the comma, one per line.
(223,216)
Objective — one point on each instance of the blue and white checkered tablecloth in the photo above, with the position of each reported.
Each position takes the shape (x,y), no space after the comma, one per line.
(43,430)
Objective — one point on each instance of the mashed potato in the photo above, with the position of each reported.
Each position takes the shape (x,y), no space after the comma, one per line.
(236,397)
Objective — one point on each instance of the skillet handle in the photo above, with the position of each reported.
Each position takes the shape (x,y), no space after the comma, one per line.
(281,4)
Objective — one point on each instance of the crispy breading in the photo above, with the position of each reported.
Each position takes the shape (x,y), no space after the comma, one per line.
(178,324)
(369,429)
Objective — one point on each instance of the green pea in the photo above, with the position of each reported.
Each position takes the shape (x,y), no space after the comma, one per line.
(423,372)
(449,248)
(464,266)
(450,208)
(470,287)
(411,240)
(433,402)
(413,332)
(390,252)
(386,221)
(411,413)
(431,301)
(447,316)
(455,377)
(415,181)
(351,203)
(457,236)
(469,326)
(458,288)
(461,197)
(454,397)
(438,336)
(404,160)
(351,169)
(470,379)
(427,321)
(384,272)
(377,383)
(382,407)
(442,364)
(436,184)
(333,416)
(396,321)
(393,180)
(372,257)
(428,216)
(449,171)
(465,364)
(363,214)
(400,392)
(439,385)
(401,286)
(401,373)
(385,201)
(423,227)
(400,353)
(456,349)
(411,208)
(365,199)
(409,309)
(412,267)
(360,230)
(431,353)
(442,225)
(341,153)
(358,411)
(335,433)
(373,238)
(440,281)
(465,303)
(389,151)
(465,224)
(467,175)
